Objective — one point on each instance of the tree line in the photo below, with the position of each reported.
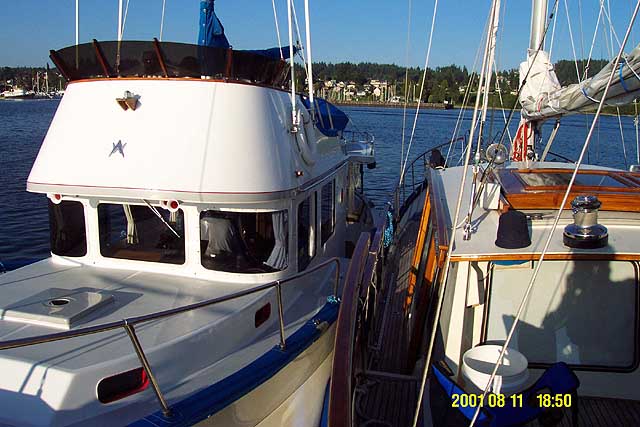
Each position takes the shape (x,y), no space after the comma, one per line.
(442,83)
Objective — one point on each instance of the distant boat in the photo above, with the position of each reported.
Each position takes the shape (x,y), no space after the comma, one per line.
(18,93)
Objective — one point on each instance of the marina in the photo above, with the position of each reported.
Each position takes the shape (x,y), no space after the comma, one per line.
(204,240)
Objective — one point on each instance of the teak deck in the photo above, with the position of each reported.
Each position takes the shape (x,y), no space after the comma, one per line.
(387,392)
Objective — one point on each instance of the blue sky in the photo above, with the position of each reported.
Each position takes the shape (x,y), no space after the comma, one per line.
(342,30)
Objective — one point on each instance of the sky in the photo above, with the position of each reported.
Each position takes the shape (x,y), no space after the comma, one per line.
(342,30)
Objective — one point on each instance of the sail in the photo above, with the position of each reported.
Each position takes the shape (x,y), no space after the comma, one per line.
(542,97)
(211,29)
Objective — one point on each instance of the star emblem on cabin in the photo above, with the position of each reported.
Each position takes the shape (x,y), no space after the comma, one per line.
(118,148)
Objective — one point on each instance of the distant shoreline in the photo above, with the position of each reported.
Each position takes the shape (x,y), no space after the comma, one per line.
(426,105)
(440,106)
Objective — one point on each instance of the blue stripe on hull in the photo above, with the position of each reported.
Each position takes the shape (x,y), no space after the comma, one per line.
(212,399)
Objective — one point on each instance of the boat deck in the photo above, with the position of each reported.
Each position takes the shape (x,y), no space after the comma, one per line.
(387,391)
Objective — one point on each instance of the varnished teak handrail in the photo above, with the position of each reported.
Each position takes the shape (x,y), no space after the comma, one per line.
(340,388)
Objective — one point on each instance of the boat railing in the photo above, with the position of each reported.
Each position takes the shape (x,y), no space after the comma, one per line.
(411,183)
(358,136)
(356,319)
(129,324)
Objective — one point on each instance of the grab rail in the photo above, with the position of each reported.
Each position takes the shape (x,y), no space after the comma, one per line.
(129,324)
(399,195)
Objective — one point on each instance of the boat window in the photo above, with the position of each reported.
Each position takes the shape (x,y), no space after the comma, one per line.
(561,179)
(67,230)
(582,313)
(244,242)
(136,232)
(306,238)
(131,58)
(328,210)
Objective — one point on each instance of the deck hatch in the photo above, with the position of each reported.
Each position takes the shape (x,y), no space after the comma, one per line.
(57,308)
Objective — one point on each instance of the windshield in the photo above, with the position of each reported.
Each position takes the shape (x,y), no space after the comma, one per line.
(136,232)
(244,242)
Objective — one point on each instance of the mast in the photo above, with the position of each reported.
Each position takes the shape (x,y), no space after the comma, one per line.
(523,144)
(538,22)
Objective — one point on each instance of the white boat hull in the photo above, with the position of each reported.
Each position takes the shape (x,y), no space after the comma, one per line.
(293,397)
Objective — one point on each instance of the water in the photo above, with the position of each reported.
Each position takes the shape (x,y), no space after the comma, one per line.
(24,220)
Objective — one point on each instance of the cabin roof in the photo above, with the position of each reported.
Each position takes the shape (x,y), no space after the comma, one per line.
(539,189)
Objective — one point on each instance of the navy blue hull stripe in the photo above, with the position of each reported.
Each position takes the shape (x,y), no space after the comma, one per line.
(210,400)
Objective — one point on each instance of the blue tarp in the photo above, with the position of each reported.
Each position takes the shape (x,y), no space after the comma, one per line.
(338,119)
(274,52)
(211,29)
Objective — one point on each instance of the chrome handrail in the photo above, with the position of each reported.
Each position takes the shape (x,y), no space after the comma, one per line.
(128,324)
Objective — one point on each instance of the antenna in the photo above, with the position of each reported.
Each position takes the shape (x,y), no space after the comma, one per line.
(293,79)
(119,20)
(164,4)
(77,22)
(309,66)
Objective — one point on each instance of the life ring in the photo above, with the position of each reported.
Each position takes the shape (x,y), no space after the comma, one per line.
(302,140)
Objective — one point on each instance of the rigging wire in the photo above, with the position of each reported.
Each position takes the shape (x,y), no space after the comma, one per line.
(465,100)
(424,78)
(406,85)
(275,18)
(624,148)
(612,29)
(557,217)
(593,43)
(573,47)
(456,216)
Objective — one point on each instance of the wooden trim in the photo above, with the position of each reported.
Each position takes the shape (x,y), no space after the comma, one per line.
(59,63)
(340,388)
(100,56)
(156,46)
(578,256)
(610,201)
(418,249)
(189,79)
(428,282)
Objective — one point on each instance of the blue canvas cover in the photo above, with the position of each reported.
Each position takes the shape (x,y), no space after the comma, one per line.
(329,126)
(274,52)
(211,29)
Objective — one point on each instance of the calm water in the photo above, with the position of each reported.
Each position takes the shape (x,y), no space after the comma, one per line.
(23,125)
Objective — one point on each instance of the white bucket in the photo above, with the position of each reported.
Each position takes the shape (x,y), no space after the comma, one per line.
(478,363)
